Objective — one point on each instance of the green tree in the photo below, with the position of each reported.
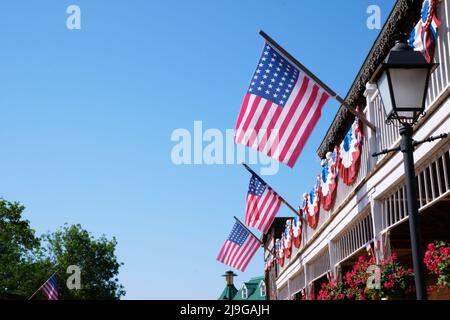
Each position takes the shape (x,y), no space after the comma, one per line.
(22,267)
(27,261)
(71,245)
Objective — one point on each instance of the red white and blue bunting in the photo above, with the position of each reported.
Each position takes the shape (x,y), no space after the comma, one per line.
(349,154)
(279,252)
(424,35)
(312,206)
(287,240)
(296,232)
(328,180)
(269,263)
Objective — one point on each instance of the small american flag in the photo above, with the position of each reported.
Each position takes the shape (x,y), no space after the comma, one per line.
(280,109)
(49,288)
(239,248)
(262,205)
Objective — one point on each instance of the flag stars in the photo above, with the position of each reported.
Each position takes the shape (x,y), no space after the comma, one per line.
(274,78)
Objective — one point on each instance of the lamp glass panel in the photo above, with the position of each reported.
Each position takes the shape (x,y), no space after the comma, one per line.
(383,87)
(408,86)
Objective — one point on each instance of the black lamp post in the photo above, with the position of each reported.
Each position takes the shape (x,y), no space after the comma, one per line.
(402,81)
(229,279)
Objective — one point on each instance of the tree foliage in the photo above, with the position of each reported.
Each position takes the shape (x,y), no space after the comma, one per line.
(71,245)
(27,261)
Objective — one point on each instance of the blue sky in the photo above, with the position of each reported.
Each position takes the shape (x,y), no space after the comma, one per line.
(87,117)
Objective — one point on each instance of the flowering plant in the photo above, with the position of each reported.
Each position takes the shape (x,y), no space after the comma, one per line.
(437,261)
(332,291)
(356,280)
(395,281)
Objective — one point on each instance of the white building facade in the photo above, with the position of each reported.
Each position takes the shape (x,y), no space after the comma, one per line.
(374,207)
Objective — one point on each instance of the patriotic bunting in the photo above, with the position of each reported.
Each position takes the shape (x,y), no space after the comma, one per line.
(349,154)
(287,240)
(279,252)
(424,35)
(269,263)
(296,232)
(328,180)
(313,205)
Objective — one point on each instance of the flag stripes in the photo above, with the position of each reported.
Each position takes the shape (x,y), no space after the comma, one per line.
(239,248)
(262,205)
(279,127)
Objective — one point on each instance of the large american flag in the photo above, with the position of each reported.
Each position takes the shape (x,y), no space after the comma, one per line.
(280,109)
(239,248)
(262,205)
(49,288)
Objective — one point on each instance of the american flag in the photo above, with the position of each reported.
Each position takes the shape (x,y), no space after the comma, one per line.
(239,248)
(49,288)
(280,109)
(262,205)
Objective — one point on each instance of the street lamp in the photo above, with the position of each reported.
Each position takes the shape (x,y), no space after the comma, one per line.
(402,81)
(229,279)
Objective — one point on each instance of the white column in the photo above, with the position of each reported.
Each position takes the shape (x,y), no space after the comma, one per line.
(371,90)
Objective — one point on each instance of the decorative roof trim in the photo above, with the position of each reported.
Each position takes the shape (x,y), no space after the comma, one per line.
(401,19)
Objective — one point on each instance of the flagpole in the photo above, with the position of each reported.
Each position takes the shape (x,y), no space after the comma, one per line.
(249,231)
(282,199)
(42,285)
(319,82)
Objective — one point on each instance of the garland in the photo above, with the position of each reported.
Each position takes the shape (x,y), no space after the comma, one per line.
(313,205)
(349,154)
(287,243)
(279,252)
(328,180)
(296,232)
(424,35)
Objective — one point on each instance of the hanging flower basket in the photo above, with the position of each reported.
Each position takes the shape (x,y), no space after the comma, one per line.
(437,261)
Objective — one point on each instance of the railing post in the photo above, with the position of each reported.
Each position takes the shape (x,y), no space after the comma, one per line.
(371,89)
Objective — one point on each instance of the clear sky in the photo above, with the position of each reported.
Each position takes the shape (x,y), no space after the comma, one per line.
(87,116)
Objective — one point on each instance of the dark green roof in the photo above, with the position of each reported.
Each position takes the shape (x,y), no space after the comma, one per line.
(224,295)
(253,289)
